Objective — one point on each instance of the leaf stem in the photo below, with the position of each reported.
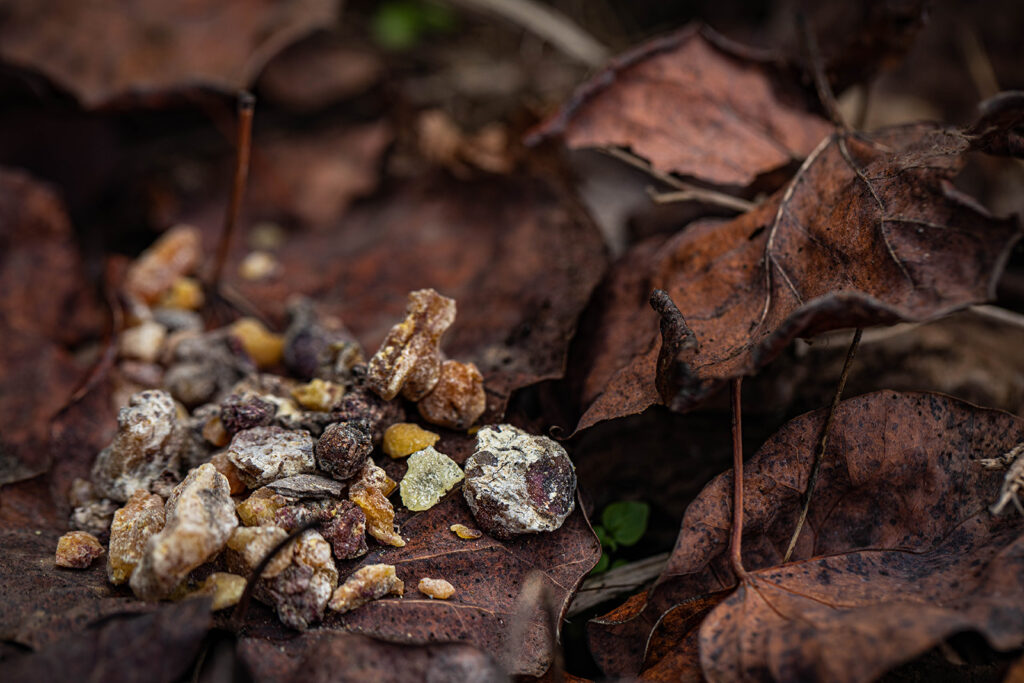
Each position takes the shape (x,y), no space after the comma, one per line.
(736,540)
(819,455)
(246,105)
(683,191)
(821,84)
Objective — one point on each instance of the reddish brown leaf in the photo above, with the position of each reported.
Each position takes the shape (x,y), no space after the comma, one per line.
(899,550)
(519,258)
(332,656)
(42,602)
(318,72)
(855,40)
(695,104)
(312,177)
(106,49)
(133,648)
(1000,127)
(869,231)
(488,577)
(37,375)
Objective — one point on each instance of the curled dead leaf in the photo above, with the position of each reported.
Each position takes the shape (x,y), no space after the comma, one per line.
(898,553)
(153,46)
(869,231)
(695,104)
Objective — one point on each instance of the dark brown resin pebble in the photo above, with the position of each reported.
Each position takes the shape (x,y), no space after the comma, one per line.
(343,448)
(240,412)
(363,404)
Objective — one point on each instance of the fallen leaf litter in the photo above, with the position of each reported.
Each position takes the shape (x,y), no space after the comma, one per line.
(244,457)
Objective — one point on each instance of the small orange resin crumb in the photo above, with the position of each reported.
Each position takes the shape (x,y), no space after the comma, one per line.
(436,588)
(405,438)
(372,582)
(77,550)
(463,531)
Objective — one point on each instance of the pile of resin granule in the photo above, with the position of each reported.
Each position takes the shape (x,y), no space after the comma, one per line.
(216,461)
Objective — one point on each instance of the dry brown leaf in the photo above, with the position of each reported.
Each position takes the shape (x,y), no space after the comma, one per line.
(869,231)
(156,648)
(312,177)
(332,656)
(899,551)
(103,50)
(516,253)
(488,577)
(695,104)
(37,374)
(318,72)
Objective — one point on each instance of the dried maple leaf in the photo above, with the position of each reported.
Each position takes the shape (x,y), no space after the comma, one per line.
(869,231)
(695,104)
(331,656)
(517,254)
(106,49)
(899,552)
(488,577)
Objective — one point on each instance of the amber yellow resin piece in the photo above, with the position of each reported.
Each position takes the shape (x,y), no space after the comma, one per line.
(436,588)
(263,346)
(405,438)
(77,550)
(228,469)
(430,475)
(372,582)
(260,508)
(185,294)
(225,589)
(176,253)
(318,395)
(141,517)
(464,532)
(368,491)
(252,543)
(215,434)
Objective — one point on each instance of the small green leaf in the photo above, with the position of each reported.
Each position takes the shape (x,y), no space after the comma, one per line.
(397,25)
(401,24)
(621,562)
(607,541)
(601,566)
(626,521)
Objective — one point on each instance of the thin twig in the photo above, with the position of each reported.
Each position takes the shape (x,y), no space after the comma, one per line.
(246,104)
(546,23)
(699,194)
(684,191)
(615,582)
(819,455)
(998,314)
(736,541)
(824,88)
